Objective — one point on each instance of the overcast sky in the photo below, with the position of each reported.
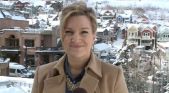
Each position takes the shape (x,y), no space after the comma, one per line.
(142,3)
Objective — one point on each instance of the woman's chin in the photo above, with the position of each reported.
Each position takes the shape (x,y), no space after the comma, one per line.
(76,55)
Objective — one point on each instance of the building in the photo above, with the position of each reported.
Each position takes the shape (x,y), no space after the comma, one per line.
(105,34)
(163,34)
(28,46)
(142,35)
(132,34)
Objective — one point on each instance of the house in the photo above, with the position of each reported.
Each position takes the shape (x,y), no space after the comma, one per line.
(133,36)
(101,49)
(105,34)
(19,5)
(142,35)
(6,5)
(8,20)
(124,18)
(148,35)
(107,15)
(163,34)
(164,47)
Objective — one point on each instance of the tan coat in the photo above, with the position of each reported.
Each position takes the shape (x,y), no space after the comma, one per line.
(99,77)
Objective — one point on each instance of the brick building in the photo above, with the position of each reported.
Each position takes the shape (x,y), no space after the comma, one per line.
(28,46)
(7,23)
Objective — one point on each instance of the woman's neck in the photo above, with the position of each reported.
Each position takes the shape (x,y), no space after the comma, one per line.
(77,64)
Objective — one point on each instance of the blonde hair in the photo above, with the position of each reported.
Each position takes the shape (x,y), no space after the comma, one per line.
(78,9)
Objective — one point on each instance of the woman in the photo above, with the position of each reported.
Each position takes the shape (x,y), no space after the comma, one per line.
(78,68)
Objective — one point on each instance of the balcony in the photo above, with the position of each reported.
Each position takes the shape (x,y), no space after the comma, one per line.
(49,50)
(10,49)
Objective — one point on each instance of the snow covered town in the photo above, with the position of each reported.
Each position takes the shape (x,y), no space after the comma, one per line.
(133,34)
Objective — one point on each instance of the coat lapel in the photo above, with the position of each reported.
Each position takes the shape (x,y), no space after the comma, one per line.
(89,83)
(55,82)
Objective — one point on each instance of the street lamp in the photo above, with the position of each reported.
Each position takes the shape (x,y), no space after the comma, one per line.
(25,58)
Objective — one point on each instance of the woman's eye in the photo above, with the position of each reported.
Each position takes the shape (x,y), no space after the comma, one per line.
(84,32)
(68,32)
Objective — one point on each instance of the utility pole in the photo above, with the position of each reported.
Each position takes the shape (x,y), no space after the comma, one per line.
(96,7)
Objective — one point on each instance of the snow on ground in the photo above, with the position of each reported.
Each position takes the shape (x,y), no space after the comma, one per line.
(118,43)
(15,85)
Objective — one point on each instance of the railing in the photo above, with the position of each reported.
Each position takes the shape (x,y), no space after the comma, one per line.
(49,50)
(46,48)
(10,47)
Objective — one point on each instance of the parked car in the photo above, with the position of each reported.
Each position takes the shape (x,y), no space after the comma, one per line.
(18,70)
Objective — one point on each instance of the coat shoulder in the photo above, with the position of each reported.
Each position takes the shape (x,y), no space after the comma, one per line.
(43,70)
(48,66)
(110,69)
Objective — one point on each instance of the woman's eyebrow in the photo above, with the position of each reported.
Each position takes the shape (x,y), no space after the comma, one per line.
(85,28)
(67,28)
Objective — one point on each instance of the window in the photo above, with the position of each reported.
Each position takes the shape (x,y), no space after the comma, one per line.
(132,34)
(12,41)
(12,70)
(18,71)
(29,43)
(31,60)
(146,34)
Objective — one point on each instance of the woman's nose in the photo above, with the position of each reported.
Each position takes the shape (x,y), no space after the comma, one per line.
(75,37)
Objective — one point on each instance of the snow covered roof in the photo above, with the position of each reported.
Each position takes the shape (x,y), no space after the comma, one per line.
(164,44)
(142,20)
(98,20)
(31,21)
(107,12)
(37,3)
(12,16)
(6,13)
(15,17)
(147,26)
(55,23)
(1,16)
(101,47)
(163,29)
(9,3)
(128,12)
(124,15)
(100,29)
(133,27)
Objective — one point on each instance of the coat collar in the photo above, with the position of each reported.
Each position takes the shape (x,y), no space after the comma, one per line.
(56,78)
(94,65)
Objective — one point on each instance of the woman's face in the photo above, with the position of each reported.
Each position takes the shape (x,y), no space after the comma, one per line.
(78,37)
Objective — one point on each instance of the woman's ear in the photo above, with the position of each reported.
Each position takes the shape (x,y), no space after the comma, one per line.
(94,36)
(61,34)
